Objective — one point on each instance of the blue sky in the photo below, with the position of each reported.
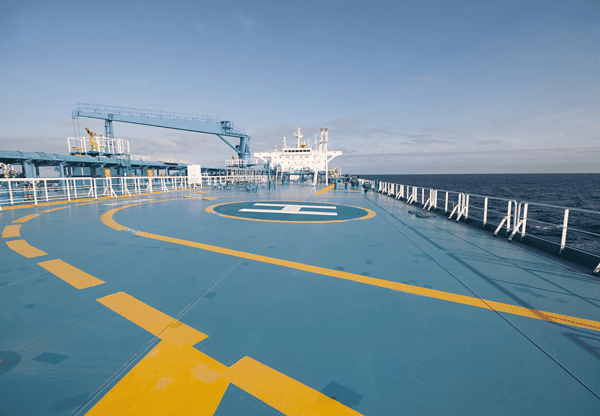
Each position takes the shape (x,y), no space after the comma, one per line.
(403,86)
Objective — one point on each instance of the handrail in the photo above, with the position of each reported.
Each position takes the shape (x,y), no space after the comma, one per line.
(516,216)
(18,191)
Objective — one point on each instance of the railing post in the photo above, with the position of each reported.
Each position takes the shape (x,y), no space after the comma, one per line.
(485,207)
(446,206)
(95,188)
(508,216)
(563,239)
(524,220)
(68,190)
(10,193)
(34,192)
(46,189)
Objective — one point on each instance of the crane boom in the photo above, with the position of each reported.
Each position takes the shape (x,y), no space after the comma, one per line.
(174,121)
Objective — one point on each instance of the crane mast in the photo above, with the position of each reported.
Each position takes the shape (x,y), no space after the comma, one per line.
(167,120)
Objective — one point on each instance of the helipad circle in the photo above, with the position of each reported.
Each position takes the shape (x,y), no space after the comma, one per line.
(291,211)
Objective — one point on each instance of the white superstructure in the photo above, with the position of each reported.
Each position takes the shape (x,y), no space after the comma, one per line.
(304,156)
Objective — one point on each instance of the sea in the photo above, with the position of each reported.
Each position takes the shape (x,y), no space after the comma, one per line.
(580,192)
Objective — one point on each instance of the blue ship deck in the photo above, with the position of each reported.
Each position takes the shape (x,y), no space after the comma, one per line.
(180,304)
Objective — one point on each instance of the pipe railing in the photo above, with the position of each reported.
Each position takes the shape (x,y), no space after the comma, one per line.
(553,224)
(19,191)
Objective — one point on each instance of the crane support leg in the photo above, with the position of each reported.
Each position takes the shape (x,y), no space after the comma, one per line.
(228,144)
(244,150)
(108,129)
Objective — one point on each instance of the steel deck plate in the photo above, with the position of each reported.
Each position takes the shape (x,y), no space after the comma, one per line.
(175,304)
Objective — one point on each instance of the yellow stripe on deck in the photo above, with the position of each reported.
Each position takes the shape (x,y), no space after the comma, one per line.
(168,381)
(11,231)
(107,218)
(173,380)
(27,218)
(70,274)
(387,284)
(152,320)
(322,191)
(23,248)
(282,392)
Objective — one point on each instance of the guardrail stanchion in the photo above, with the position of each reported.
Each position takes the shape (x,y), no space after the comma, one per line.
(563,239)
(485,209)
(446,206)
(524,220)
(34,192)
(10,195)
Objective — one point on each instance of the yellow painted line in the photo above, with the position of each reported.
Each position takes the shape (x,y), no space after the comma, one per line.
(211,210)
(173,380)
(152,320)
(282,392)
(70,274)
(401,287)
(22,247)
(170,380)
(88,203)
(322,191)
(27,218)
(209,198)
(55,209)
(11,231)
(107,219)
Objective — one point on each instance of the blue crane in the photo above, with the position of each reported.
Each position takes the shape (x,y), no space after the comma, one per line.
(167,120)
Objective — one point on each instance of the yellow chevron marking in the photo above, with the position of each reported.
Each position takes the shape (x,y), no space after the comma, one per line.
(70,274)
(11,231)
(152,320)
(324,190)
(23,248)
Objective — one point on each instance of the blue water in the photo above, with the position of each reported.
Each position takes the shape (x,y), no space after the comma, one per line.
(574,190)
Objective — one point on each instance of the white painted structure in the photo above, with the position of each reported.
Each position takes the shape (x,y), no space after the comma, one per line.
(303,156)
(195,174)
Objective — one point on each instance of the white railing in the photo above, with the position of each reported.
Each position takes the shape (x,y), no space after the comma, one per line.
(100,144)
(241,162)
(543,222)
(43,190)
(220,181)
(141,158)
